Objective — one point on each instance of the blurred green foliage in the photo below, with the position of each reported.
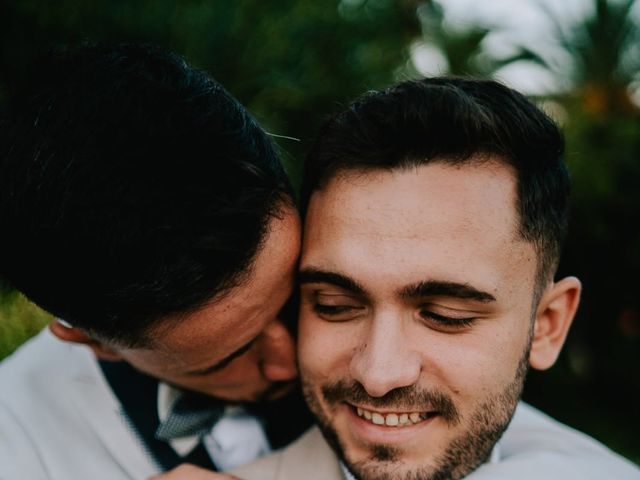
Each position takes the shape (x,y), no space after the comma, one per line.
(19,320)
(293,62)
(598,375)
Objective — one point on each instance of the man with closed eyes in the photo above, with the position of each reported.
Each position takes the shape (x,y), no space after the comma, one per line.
(434,216)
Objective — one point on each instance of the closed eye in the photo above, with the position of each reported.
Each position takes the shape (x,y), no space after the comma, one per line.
(446,321)
(335,307)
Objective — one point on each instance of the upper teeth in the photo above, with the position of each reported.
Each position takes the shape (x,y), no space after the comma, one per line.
(391,419)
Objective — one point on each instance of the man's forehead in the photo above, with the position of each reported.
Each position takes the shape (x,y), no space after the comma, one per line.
(208,335)
(467,200)
(214,327)
(239,313)
(452,222)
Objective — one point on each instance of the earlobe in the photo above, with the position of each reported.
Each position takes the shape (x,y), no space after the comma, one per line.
(554,316)
(69,333)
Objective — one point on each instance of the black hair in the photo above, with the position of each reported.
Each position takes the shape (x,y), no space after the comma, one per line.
(132,187)
(454,120)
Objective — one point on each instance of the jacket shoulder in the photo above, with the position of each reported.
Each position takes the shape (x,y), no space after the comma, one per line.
(309,457)
(537,445)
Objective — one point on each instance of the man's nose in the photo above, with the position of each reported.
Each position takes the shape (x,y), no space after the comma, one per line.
(384,360)
(278,353)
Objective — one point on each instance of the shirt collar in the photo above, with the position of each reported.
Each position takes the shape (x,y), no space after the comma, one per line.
(167,395)
(237,438)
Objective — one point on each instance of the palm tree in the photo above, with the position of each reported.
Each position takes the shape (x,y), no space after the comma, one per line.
(604,57)
(463,49)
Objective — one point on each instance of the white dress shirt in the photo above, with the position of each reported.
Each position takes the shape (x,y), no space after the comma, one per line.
(236,439)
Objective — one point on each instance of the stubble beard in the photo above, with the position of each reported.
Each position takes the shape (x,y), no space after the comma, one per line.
(465,453)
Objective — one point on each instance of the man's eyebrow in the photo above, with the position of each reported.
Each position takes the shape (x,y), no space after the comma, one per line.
(431,288)
(314,275)
(225,361)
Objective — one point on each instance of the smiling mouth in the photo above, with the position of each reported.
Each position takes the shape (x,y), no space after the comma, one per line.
(393,419)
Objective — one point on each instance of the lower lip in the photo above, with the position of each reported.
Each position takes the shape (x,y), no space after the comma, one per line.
(382,434)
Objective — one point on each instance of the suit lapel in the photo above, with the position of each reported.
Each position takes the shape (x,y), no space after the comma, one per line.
(96,403)
(138,396)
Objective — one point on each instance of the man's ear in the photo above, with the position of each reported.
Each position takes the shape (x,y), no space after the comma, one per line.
(554,315)
(69,333)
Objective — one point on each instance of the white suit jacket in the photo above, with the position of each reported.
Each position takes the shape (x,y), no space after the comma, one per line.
(534,447)
(59,419)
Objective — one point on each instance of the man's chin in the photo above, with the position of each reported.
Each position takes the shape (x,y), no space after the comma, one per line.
(378,470)
(386,463)
(380,461)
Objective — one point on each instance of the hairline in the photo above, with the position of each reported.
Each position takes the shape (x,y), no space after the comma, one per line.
(545,270)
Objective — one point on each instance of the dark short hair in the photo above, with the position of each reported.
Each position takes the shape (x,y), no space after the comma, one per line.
(132,187)
(454,120)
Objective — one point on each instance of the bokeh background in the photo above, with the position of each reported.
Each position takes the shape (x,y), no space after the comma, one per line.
(293,62)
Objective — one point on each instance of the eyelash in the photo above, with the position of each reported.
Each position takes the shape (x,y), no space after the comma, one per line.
(331,309)
(451,322)
(448,321)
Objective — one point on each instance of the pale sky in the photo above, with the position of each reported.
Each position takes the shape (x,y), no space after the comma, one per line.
(523,21)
